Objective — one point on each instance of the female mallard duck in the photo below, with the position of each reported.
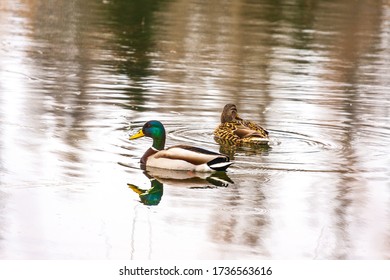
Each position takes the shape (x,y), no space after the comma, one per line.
(235,130)
(178,157)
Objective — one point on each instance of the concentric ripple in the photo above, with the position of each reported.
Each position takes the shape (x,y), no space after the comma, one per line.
(287,150)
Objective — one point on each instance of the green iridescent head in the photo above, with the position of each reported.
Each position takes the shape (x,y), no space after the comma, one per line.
(154,130)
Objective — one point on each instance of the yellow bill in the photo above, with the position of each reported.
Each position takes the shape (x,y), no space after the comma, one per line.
(135,189)
(137,135)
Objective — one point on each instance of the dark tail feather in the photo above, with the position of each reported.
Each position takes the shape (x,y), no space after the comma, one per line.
(219,163)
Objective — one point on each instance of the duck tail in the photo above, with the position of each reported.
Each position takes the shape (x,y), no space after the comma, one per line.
(219,163)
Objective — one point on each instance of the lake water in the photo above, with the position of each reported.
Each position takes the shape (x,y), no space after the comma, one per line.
(78,77)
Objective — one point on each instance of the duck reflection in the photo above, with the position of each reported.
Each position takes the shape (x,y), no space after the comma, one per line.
(158,178)
(230,148)
(151,196)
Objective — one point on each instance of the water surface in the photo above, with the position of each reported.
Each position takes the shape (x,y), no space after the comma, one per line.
(78,77)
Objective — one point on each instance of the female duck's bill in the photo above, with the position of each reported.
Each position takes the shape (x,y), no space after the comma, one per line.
(179,157)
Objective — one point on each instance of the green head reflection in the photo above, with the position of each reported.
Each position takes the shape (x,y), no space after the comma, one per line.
(151,196)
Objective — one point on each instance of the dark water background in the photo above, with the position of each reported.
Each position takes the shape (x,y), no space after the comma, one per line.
(77,77)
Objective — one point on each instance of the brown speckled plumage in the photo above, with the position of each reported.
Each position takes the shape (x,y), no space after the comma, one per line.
(235,130)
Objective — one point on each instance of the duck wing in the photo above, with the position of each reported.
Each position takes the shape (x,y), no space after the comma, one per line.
(246,133)
(240,130)
(196,156)
(254,126)
(191,154)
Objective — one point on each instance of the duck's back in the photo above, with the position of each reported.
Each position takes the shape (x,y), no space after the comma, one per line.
(240,132)
(254,126)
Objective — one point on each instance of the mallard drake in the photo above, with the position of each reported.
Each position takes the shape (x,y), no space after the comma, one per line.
(235,130)
(180,157)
